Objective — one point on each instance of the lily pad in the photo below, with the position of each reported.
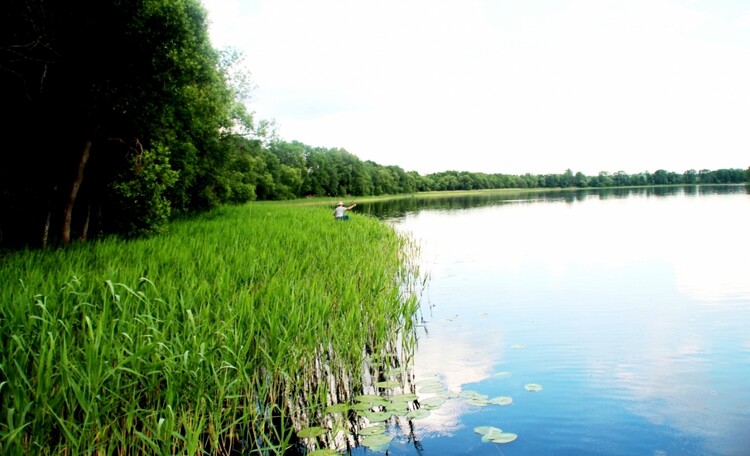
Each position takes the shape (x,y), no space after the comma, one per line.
(518,346)
(381,402)
(388,384)
(501,400)
(311,432)
(362,406)
(432,403)
(323,452)
(377,442)
(373,430)
(504,437)
(418,414)
(337,408)
(471,394)
(376,417)
(484,430)
(398,408)
(533,387)
(477,402)
(403,397)
(368,398)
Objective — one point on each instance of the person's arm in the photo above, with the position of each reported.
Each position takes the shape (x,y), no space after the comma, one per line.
(351,207)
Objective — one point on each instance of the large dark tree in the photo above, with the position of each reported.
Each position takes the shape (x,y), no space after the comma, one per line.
(115,111)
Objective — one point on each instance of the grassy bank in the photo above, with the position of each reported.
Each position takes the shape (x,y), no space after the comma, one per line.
(210,339)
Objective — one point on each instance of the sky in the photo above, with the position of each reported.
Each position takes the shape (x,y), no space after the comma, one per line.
(502,86)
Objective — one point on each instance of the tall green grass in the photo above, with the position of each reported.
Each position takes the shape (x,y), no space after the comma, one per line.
(222,336)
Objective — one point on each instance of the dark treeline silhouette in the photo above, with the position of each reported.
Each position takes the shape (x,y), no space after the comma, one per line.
(139,119)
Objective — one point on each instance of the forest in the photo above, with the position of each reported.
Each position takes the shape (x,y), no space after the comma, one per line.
(121,116)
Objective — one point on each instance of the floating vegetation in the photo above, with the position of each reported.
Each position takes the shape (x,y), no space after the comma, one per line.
(388,384)
(376,417)
(501,400)
(518,346)
(432,403)
(337,408)
(311,432)
(495,435)
(503,437)
(377,442)
(418,414)
(533,387)
(323,452)
(483,430)
(368,398)
(362,406)
(501,375)
(372,430)
(471,394)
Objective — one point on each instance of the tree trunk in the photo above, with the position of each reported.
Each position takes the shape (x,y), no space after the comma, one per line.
(45,233)
(85,230)
(68,214)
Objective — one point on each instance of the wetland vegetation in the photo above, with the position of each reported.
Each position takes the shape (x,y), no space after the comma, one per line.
(225,336)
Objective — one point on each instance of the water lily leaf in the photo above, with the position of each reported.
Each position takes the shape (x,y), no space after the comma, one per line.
(477,402)
(377,442)
(518,346)
(373,430)
(484,430)
(382,402)
(533,387)
(492,434)
(428,381)
(310,432)
(501,400)
(418,414)
(375,417)
(368,398)
(337,408)
(403,397)
(432,403)
(501,375)
(471,394)
(388,384)
(505,437)
(323,452)
(398,408)
(361,406)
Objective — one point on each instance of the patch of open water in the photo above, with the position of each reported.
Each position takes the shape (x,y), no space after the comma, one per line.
(630,309)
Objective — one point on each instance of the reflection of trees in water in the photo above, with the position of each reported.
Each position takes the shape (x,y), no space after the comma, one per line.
(385,371)
(399,207)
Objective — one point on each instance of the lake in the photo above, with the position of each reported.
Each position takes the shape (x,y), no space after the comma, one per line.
(630,308)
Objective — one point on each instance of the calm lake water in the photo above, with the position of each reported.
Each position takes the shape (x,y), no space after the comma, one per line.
(631,308)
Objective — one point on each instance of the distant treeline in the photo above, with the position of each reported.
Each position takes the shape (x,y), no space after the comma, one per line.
(292,169)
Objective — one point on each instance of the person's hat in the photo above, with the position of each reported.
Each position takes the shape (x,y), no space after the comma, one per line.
(341,203)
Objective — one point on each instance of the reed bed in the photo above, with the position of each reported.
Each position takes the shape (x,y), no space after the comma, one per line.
(219,338)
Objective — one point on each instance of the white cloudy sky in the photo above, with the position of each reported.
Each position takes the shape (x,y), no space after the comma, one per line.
(507,86)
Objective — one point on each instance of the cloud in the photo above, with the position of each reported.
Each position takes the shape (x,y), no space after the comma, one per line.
(500,86)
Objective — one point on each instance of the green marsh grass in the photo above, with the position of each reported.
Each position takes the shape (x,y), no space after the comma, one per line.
(226,335)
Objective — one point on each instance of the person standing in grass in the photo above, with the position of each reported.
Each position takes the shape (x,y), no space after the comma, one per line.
(340,212)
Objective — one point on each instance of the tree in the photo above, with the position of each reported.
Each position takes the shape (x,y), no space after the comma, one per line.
(89,86)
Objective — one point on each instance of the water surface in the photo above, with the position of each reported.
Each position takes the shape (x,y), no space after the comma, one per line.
(630,307)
